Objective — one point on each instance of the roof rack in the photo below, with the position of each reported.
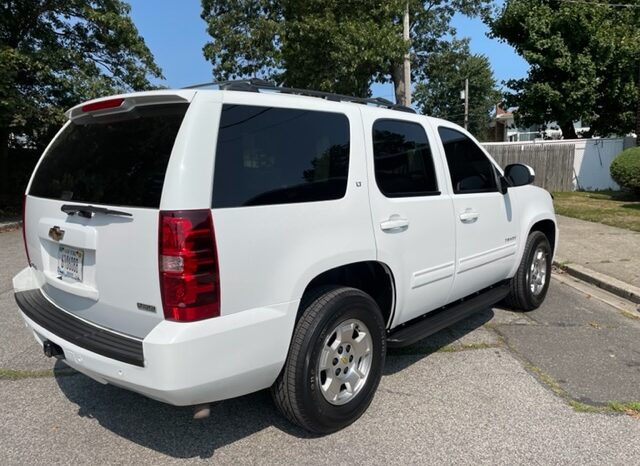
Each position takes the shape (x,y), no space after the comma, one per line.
(257,85)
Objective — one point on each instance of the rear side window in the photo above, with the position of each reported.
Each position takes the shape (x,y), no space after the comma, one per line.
(402,159)
(271,155)
(119,159)
(470,169)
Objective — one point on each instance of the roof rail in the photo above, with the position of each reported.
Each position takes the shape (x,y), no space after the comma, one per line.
(257,85)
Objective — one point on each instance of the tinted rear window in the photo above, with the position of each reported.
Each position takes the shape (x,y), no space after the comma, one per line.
(115,160)
(402,159)
(271,155)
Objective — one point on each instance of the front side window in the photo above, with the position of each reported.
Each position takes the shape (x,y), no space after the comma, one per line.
(470,169)
(402,159)
(269,155)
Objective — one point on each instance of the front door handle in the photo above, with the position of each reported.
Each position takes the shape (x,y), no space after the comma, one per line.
(395,223)
(468,216)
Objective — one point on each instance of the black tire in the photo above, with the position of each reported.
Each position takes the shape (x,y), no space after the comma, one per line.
(297,390)
(520,296)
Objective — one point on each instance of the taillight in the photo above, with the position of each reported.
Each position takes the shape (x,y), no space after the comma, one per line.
(102,105)
(24,228)
(188,262)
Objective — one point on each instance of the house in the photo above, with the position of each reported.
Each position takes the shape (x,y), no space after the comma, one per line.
(504,128)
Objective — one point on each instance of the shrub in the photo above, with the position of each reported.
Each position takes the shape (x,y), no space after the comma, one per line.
(625,169)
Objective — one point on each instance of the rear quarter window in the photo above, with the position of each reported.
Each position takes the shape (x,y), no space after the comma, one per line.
(117,160)
(269,155)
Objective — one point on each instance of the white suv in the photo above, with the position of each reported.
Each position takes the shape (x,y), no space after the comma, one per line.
(201,244)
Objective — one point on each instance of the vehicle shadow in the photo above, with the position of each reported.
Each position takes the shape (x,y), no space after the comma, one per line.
(171,430)
(449,339)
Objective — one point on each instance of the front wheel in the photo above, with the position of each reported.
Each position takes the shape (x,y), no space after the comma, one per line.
(530,284)
(334,363)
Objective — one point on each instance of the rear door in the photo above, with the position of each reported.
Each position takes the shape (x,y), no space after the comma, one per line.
(102,264)
(412,213)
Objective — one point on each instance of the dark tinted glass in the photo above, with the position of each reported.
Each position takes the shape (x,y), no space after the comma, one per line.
(402,159)
(518,174)
(470,169)
(116,160)
(276,156)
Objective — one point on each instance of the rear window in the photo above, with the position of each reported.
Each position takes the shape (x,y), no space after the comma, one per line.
(402,159)
(119,159)
(271,155)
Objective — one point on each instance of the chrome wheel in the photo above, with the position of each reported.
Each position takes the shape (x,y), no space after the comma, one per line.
(345,361)
(538,272)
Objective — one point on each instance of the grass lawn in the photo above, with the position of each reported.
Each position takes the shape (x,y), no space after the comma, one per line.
(613,208)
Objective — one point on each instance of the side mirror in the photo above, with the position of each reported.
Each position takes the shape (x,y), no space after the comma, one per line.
(518,174)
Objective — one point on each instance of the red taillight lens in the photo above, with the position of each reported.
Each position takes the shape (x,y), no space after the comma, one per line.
(24,228)
(188,262)
(102,105)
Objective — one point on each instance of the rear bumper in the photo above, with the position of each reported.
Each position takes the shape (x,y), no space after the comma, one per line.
(43,312)
(180,363)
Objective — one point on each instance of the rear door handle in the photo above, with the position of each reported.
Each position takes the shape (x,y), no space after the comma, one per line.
(469,216)
(395,222)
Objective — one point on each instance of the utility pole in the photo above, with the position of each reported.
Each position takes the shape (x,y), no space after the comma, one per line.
(466,103)
(407,59)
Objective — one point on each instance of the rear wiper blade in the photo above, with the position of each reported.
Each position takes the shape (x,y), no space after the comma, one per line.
(87,211)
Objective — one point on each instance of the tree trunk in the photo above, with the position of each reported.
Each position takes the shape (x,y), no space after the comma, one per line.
(4,163)
(397,74)
(568,131)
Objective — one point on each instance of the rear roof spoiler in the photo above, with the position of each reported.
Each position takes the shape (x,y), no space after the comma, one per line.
(126,102)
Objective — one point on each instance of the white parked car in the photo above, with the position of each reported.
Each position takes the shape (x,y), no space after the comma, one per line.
(201,244)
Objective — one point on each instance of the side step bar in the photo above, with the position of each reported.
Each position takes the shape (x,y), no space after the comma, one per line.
(433,322)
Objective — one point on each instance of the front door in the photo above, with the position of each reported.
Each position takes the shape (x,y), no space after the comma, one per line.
(486,227)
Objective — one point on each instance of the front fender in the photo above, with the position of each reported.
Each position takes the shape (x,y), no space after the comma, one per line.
(534,205)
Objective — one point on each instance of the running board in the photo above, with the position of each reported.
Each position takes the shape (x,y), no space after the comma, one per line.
(432,322)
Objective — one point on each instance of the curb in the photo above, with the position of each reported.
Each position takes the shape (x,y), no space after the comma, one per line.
(612,285)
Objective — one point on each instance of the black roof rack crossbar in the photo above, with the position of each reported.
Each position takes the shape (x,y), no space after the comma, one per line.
(256,85)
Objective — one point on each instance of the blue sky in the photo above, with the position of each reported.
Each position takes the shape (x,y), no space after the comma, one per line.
(175,33)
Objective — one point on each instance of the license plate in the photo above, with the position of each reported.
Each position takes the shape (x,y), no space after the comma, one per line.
(70,262)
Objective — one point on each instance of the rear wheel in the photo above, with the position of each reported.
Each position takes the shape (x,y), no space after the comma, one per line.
(530,284)
(335,361)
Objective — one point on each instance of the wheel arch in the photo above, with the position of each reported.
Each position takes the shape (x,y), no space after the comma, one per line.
(544,223)
(548,228)
(372,277)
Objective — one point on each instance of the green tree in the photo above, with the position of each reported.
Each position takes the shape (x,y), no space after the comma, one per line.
(445,72)
(338,46)
(583,60)
(56,53)
(331,45)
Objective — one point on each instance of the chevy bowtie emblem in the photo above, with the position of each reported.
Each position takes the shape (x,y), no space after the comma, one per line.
(55,233)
